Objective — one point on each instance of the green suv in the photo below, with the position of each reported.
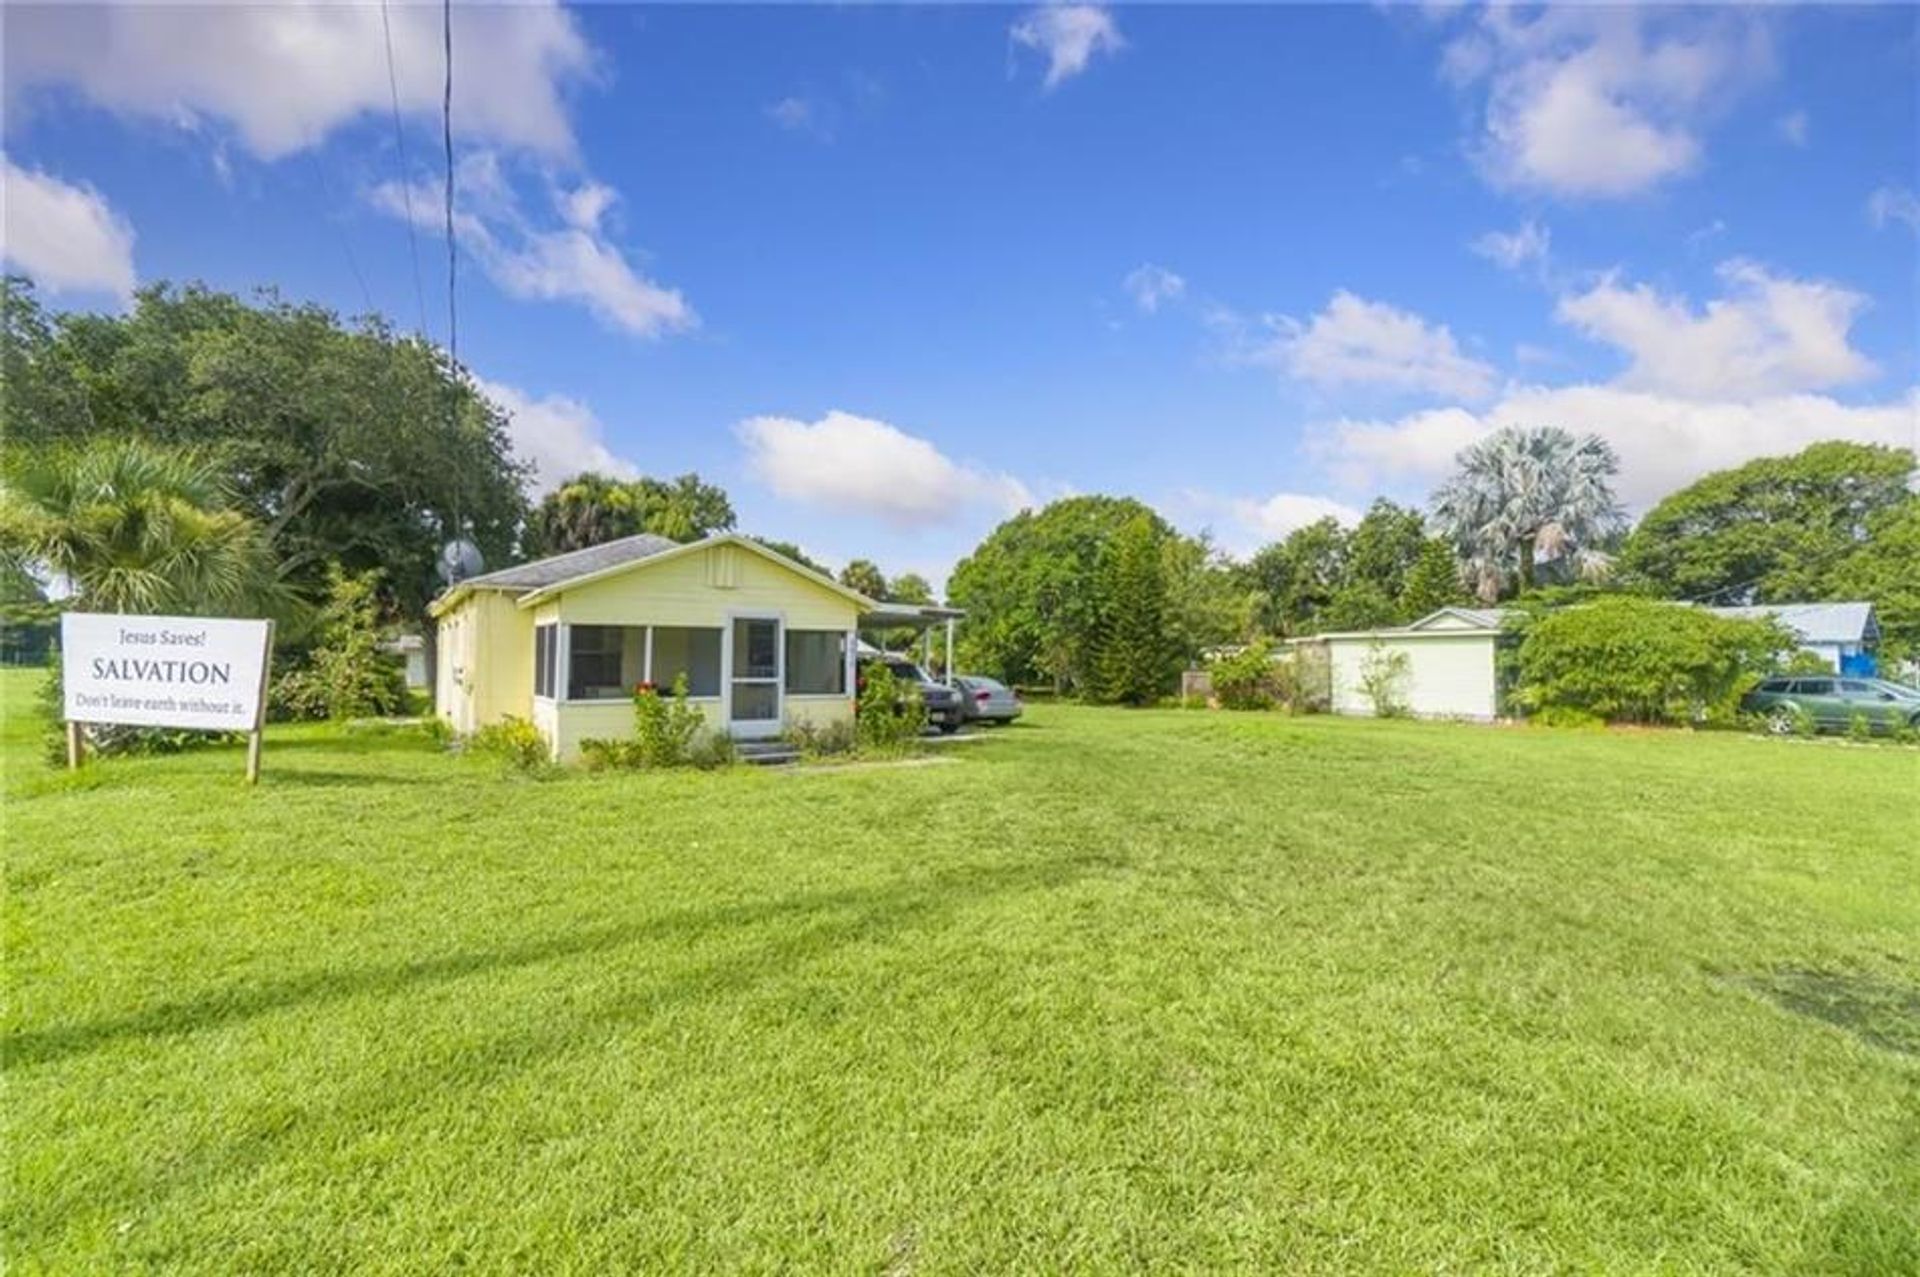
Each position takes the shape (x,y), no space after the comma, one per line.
(1831,703)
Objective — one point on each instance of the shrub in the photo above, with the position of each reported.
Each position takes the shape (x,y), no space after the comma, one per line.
(1629,659)
(1246,679)
(1383,681)
(1305,679)
(664,727)
(834,739)
(346,675)
(598,755)
(515,741)
(889,716)
(713,750)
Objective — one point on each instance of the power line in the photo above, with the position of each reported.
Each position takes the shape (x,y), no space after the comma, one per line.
(446,137)
(453,303)
(406,173)
(346,244)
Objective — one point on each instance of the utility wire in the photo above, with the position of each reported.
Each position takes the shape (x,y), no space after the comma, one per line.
(406,173)
(446,137)
(453,304)
(346,244)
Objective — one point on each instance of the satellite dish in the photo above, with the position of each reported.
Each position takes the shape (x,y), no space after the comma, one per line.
(460,559)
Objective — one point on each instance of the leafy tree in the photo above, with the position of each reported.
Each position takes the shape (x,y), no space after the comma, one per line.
(1432,582)
(592,508)
(1885,569)
(1524,496)
(1774,530)
(1297,578)
(1032,594)
(865,576)
(1135,660)
(347,675)
(787,549)
(343,444)
(1208,603)
(910,587)
(134,527)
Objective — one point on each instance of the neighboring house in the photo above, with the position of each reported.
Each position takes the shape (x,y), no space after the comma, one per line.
(412,651)
(1449,663)
(563,641)
(1844,635)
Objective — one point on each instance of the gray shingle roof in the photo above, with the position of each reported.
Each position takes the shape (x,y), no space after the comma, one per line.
(1814,622)
(565,567)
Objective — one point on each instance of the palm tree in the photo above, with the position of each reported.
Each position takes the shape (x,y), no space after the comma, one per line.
(1524,496)
(132,526)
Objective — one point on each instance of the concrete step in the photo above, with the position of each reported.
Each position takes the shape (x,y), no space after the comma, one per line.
(765,753)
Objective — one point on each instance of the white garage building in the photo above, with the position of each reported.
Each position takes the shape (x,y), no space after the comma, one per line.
(1449,670)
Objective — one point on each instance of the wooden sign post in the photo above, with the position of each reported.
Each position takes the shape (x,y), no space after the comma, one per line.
(200,673)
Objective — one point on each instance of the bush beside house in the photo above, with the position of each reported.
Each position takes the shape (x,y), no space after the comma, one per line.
(1635,660)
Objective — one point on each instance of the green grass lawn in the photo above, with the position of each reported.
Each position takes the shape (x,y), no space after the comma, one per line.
(1148,991)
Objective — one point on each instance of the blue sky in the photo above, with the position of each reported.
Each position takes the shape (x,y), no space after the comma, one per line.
(889,273)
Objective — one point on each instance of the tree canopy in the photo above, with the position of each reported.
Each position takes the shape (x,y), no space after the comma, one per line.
(1523,496)
(591,508)
(346,444)
(132,526)
(1776,529)
(1386,570)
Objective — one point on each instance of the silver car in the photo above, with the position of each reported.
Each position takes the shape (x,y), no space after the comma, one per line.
(986,700)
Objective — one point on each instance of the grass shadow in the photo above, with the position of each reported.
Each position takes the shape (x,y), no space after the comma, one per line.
(822,923)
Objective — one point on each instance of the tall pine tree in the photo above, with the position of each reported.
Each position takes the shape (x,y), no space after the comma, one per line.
(1135,662)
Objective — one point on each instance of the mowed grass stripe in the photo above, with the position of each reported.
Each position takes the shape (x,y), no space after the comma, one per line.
(1114,991)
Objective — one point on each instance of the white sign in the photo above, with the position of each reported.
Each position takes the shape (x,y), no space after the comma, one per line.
(164,671)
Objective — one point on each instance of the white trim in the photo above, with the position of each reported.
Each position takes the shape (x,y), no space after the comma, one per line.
(755,727)
(554,697)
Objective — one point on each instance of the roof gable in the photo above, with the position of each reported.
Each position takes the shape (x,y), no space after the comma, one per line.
(1461,618)
(675,551)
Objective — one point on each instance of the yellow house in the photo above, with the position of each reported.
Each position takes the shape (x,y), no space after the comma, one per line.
(563,641)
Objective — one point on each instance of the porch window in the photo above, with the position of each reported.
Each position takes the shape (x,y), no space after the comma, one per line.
(681,650)
(816,663)
(604,661)
(545,656)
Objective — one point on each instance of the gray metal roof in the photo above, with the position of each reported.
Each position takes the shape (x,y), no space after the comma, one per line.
(565,567)
(1814,622)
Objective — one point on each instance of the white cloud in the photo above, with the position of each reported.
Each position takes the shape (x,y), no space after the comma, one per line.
(1527,245)
(67,238)
(1153,286)
(1794,128)
(859,465)
(1894,204)
(1664,441)
(560,436)
(1601,101)
(283,76)
(801,115)
(1070,35)
(528,258)
(1359,342)
(1769,335)
(1285,512)
(1241,525)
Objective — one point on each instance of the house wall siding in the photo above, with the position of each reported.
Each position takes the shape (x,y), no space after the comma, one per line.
(690,590)
(485,664)
(1447,677)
